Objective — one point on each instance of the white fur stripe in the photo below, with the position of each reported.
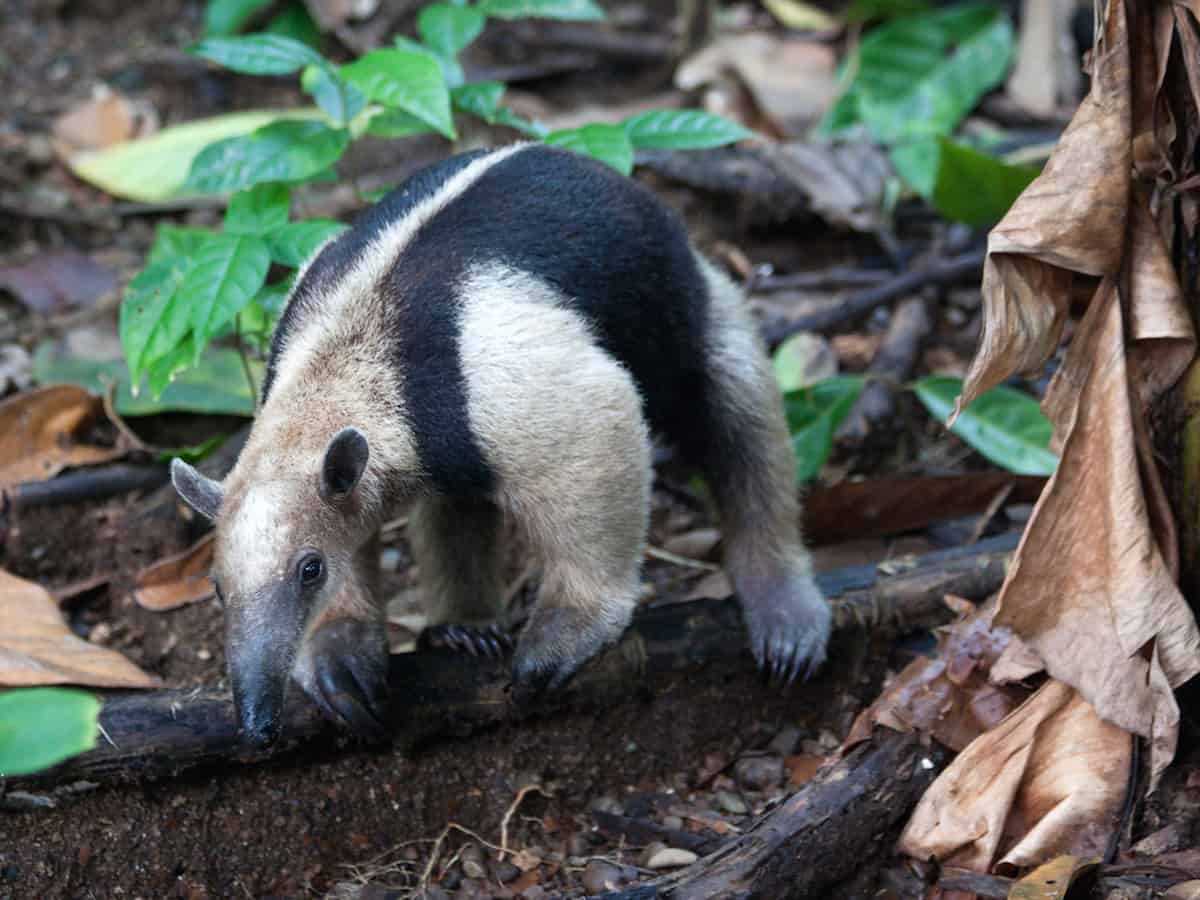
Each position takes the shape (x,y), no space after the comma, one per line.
(347,295)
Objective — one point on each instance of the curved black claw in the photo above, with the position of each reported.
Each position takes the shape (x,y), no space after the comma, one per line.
(553,646)
(492,641)
(349,678)
(789,627)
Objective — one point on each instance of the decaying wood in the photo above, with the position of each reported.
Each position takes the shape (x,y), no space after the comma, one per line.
(87,484)
(818,836)
(438,692)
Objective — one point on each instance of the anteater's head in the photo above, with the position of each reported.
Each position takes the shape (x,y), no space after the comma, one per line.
(292,570)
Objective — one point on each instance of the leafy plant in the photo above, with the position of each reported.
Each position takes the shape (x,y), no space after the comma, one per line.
(1005,425)
(911,82)
(813,415)
(40,727)
(201,285)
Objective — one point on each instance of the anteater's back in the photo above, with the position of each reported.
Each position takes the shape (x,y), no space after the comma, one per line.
(618,256)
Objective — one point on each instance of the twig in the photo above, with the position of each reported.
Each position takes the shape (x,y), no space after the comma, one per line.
(837,276)
(81,485)
(511,811)
(942,272)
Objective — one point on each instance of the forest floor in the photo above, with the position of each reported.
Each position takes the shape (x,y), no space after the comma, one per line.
(697,760)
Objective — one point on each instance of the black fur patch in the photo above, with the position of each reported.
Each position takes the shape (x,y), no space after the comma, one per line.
(619,255)
(340,255)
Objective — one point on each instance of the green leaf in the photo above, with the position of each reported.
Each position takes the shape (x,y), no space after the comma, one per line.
(563,10)
(918,76)
(216,385)
(452,72)
(813,415)
(258,54)
(682,129)
(294,243)
(224,17)
(396,123)
(224,275)
(975,188)
(155,168)
(341,100)
(173,241)
(290,150)
(448,29)
(258,210)
(293,21)
(480,99)
(862,10)
(1005,425)
(192,453)
(153,318)
(608,143)
(40,727)
(403,80)
(260,315)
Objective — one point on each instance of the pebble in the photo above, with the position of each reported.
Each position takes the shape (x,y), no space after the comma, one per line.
(650,850)
(731,803)
(786,741)
(671,858)
(600,876)
(605,803)
(389,559)
(472,862)
(504,871)
(757,773)
(674,823)
(534,892)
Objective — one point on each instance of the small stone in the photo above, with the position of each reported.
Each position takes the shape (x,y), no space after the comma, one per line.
(534,892)
(504,871)
(674,823)
(600,876)
(1184,890)
(731,803)
(671,858)
(608,804)
(649,851)
(757,773)
(1165,840)
(204,654)
(786,741)
(472,862)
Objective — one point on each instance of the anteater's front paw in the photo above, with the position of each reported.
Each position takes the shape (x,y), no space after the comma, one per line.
(553,646)
(492,641)
(346,676)
(789,624)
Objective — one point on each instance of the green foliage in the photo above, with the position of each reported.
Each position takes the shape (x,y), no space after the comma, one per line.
(222,17)
(914,79)
(198,285)
(40,727)
(1005,425)
(608,143)
(813,415)
(215,386)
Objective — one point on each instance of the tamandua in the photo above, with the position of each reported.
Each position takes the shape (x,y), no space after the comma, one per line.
(496,338)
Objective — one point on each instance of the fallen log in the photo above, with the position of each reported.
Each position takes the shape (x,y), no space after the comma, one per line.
(439,693)
(816,838)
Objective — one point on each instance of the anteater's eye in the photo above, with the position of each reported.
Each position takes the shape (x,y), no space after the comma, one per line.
(311,570)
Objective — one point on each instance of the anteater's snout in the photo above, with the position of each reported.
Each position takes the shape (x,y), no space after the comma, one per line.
(259,675)
(259,723)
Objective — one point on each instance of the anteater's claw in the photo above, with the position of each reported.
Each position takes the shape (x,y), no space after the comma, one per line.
(492,641)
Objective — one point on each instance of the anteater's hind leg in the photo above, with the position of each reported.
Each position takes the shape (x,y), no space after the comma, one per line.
(456,543)
(747,456)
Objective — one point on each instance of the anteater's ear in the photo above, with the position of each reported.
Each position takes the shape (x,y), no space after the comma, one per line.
(199,492)
(345,462)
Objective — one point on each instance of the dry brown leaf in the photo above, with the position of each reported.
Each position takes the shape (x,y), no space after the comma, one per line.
(802,767)
(949,696)
(58,280)
(39,430)
(37,647)
(1070,219)
(177,580)
(1092,587)
(101,121)
(793,80)
(1049,779)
